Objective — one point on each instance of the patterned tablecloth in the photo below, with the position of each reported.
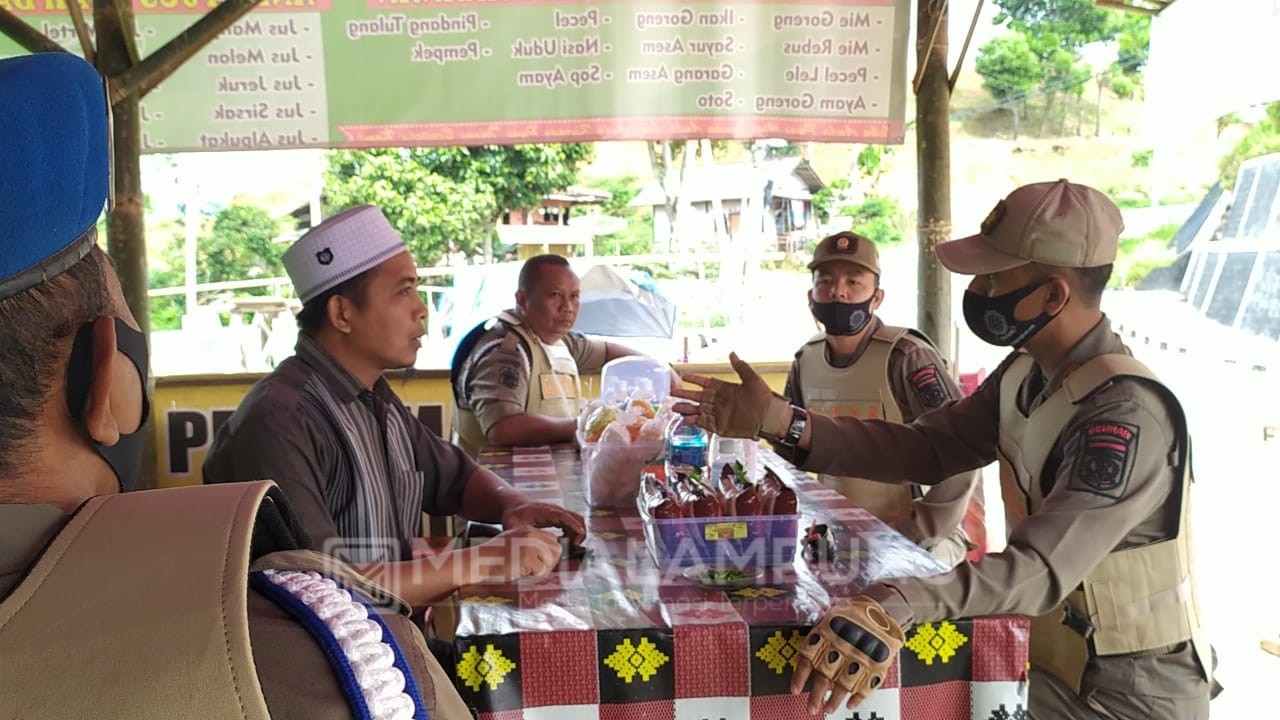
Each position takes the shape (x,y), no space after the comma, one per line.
(612,637)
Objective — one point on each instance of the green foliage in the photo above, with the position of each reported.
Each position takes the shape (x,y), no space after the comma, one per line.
(1136,257)
(879,218)
(637,237)
(834,194)
(1262,139)
(437,197)
(1051,26)
(1133,42)
(1009,70)
(240,244)
(1122,87)
(1141,159)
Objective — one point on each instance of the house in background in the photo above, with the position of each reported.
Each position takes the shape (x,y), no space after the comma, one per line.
(547,228)
(786,184)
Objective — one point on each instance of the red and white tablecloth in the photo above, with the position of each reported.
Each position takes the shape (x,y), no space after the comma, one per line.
(611,637)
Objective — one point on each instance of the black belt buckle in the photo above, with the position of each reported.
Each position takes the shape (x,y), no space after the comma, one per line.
(1078,622)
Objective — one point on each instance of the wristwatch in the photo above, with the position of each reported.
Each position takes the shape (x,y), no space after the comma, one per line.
(799,421)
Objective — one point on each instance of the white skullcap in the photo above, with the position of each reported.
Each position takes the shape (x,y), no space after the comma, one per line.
(339,249)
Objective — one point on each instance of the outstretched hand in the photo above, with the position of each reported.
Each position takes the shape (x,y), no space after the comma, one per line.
(741,410)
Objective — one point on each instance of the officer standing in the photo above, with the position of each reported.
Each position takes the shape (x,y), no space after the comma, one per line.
(188,602)
(515,377)
(860,367)
(1095,471)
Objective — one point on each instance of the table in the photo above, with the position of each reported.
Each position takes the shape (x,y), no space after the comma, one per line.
(610,637)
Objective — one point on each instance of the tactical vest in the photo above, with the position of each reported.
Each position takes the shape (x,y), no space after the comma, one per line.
(554,387)
(861,390)
(132,582)
(1136,600)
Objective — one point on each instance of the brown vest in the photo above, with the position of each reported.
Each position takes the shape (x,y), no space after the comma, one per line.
(861,390)
(139,609)
(1138,599)
(554,387)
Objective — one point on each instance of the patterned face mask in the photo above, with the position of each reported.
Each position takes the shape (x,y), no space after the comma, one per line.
(993,321)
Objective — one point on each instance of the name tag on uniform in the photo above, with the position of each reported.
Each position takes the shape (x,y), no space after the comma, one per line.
(556,387)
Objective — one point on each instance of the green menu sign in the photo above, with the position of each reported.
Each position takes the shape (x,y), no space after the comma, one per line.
(362,73)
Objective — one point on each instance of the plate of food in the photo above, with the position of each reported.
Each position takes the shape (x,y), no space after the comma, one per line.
(723,577)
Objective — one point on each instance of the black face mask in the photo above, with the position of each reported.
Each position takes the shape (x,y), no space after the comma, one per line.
(842,318)
(125,456)
(992,319)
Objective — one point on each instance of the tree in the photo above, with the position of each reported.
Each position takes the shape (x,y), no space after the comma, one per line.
(1262,139)
(242,242)
(1055,30)
(1010,71)
(437,197)
(637,237)
(1052,25)
(1133,45)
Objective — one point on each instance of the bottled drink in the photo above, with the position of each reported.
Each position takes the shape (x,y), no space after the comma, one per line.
(687,447)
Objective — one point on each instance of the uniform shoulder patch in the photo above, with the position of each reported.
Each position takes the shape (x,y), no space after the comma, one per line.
(929,386)
(1105,460)
(508,376)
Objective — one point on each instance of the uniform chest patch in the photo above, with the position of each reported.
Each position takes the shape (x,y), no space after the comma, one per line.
(929,387)
(1106,458)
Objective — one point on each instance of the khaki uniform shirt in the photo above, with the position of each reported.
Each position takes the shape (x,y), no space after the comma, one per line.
(1048,554)
(496,374)
(296,677)
(913,366)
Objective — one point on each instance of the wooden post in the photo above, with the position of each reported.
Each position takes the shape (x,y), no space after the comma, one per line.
(126,224)
(933,165)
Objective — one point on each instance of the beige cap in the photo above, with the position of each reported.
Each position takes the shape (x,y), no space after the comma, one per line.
(849,247)
(339,249)
(1052,223)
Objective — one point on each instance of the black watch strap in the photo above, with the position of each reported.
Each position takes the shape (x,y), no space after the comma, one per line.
(795,429)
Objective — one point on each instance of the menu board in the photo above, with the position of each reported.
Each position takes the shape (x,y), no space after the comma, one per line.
(363,73)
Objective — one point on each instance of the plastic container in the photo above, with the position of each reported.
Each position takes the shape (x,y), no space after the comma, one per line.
(611,471)
(750,541)
(628,372)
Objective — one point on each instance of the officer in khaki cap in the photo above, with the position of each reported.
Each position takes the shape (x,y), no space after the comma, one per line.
(860,367)
(1096,478)
(187,602)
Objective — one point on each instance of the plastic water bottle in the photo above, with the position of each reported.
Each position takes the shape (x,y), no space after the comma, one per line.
(644,392)
(687,447)
(725,451)
(618,394)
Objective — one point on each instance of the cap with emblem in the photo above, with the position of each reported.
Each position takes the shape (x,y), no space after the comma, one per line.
(54,166)
(1053,223)
(341,248)
(849,247)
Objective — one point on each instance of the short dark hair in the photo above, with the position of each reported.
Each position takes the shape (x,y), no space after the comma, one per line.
(315,312)
(1091,282)
(36,329)
(1087,283)
(532,269)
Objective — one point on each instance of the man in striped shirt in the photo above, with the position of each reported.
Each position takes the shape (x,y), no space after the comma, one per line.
(357,466)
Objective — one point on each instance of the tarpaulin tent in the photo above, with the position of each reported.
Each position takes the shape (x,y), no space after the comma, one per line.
(620,306)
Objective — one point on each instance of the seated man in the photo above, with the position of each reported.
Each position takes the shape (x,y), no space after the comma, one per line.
(515,377)
(861,367)
(187,602)
(357,466)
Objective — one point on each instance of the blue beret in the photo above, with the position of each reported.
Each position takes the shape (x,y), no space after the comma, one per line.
(54,172)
